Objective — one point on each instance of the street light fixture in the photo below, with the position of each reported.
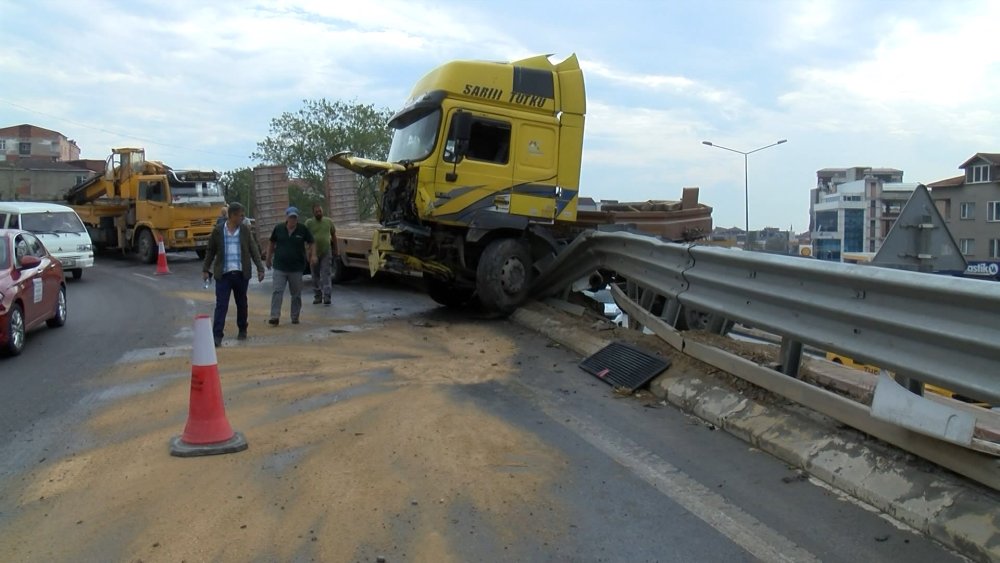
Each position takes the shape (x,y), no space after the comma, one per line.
(746,179)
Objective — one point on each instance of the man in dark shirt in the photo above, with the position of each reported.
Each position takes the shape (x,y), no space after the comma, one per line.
(291,245)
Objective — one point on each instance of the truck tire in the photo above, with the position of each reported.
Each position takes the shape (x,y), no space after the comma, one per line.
(503,276)
(146,247)
(77,273)
(448,294)
(340,272)
(201,253)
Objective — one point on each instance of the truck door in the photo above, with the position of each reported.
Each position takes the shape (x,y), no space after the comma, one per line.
(485,171)
(152,206)
(535,170)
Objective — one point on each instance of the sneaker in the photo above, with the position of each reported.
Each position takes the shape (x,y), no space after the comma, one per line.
(218,341)
(326,301)
(317,300)
(242,335)
(295,321)
(272,322)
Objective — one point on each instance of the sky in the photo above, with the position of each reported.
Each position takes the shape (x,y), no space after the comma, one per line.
(912,85)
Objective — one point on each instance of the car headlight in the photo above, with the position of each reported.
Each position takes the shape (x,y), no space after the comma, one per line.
(85,248)
(180,234)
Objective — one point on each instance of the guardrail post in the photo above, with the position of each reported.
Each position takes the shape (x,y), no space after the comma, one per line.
(790,357)
(915,386)
(671,312)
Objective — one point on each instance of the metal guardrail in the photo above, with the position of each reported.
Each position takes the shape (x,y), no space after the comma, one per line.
(936,329)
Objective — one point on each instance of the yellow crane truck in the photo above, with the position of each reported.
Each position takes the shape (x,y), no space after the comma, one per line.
(137,201)
(482,172)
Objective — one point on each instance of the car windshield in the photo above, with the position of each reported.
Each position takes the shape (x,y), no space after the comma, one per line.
(52,222)
(414,138)
(4,253)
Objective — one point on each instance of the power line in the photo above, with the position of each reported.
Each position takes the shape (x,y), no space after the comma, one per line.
(102,130)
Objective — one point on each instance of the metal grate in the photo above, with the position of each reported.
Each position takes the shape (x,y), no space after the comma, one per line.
(623,366)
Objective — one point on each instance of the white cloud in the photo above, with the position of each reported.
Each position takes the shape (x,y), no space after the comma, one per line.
(679,85)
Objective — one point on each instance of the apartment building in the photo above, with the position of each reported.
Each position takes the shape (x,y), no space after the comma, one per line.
(851,210)
(32,142)
(970,206)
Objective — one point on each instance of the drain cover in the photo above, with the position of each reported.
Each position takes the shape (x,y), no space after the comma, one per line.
(624,366)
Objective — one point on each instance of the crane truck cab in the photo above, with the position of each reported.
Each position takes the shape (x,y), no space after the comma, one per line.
(137,201)
(485,156)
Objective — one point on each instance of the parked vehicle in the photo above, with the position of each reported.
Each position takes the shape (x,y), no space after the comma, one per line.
(136,201)
(57,226)
(32,289)
(875,370)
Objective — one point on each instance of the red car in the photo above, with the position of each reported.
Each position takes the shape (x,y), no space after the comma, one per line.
(32,289)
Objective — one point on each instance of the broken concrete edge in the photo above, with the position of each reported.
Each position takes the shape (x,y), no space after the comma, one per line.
(955,512)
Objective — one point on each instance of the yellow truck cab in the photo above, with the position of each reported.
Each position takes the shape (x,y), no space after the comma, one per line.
(137,201)
(484,156)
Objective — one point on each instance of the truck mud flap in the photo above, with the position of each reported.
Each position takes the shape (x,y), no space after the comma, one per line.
(624,367)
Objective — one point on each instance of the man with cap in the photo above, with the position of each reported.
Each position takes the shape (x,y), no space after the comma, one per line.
(291,246)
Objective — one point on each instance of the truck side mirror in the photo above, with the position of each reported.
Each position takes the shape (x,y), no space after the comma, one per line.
(463,132)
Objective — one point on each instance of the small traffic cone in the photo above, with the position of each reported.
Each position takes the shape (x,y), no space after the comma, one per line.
(207,431)
(161,259)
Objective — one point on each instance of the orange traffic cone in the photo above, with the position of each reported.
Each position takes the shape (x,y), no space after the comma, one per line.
(207,431)
(161,259)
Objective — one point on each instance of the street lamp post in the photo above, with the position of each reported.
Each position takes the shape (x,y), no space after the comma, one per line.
(746,180)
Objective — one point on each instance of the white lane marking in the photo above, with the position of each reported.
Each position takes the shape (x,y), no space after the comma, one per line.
(730,520)
(150,278)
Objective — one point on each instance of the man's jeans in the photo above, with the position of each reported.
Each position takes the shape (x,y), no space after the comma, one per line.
(294,281)
(321,279)
(235,283)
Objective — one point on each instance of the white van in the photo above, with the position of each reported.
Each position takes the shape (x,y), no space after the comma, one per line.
(59,228)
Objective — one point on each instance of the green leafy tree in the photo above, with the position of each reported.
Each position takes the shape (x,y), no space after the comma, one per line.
(237,185)
(304,140)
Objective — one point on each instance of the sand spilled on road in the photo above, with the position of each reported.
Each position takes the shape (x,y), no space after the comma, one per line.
(359,446)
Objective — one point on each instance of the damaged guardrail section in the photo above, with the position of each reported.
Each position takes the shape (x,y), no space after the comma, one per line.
(933,328)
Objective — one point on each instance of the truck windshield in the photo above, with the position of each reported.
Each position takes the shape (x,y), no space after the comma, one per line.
(195,189)
(414,138)
(52,222)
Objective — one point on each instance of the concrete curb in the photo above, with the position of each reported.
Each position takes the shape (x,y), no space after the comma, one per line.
(959,514)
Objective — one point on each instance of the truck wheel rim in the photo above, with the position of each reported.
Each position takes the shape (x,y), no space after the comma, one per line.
(17,329)
(512,276)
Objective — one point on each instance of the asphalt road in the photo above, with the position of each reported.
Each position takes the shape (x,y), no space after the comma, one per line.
(641,481)
(109,312)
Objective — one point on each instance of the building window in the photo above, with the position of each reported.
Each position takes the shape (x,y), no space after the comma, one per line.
(854,230)
(977,174)
(968,211)
(968,246)
(995,248)
(24,149)
(993,211)
(826,222)
(3,144)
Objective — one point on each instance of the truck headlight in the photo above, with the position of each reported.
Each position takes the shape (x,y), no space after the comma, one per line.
(85,248)
(180,234)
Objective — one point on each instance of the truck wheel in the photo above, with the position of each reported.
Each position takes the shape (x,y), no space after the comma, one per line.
(340,272)
(503,275)
(147,248)
(77,273)
(448,294)
(201,253)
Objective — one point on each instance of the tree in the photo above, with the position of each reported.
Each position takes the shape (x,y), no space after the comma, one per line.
(237,185)
(304,140)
